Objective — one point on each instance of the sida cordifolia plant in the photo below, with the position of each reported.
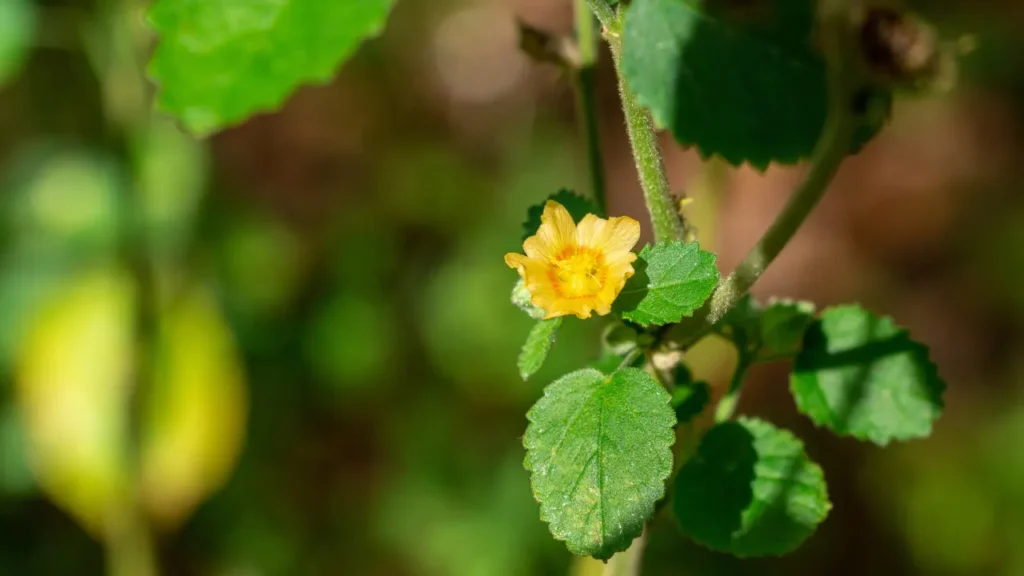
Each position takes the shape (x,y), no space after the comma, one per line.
(756,82)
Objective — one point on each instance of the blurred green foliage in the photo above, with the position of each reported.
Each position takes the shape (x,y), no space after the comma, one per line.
(377,341)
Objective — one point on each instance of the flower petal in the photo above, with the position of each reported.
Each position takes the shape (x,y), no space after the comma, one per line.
(589,229)
(536,279)
(517,261)
(619,234)
(580,308)
(609,244)
(618,273)
(557,230)
(540,248)
(615,259)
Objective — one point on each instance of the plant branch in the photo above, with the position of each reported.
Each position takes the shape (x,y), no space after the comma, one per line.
(130,546)
(832,147)
(586,100)
(668,224)
(115,51)
(629,358)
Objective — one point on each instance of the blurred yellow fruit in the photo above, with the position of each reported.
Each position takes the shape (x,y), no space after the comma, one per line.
(196,410)
(74,387)
(72,377)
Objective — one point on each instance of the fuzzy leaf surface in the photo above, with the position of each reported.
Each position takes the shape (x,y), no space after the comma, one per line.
(671,280)
(733,79)
(861,375)
(750,491)
(538,344)
(599,449)
(219,62)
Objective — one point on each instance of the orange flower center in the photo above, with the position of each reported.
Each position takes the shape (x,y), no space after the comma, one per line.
(578,272)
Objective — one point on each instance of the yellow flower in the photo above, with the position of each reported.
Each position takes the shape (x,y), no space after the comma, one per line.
(572,269)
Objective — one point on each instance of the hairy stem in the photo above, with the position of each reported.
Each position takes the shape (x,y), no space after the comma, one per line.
(829,155)
(668,225)
(586,100)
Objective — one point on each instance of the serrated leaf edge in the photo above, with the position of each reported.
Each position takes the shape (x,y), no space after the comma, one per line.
(930,368)
(649,513)
(816,470)
(649,249)
(705,155)
(321,77)
(789,302)
(556,324)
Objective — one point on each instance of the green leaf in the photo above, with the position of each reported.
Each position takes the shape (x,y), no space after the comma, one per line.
(750,491)
(538,344)
(599,451)
(735,80)
(689,396)
(744,314)
(681,375)
(217,63)
(690,400)
(577,205)
(671,281)
(782,326)
(17,29)
(767,332)
(521,298)
(742,325)
(861,375)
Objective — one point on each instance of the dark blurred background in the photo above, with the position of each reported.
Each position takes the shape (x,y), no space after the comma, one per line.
(335,389)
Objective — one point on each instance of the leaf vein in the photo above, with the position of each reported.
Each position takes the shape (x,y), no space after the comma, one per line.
(572,422)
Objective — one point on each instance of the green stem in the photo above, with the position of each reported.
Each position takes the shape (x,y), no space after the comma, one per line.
(116,54)
(604,13)
(829,155)
(668,225)
(627,562)
(629,358)
(130,548)
(586,101)
(727,405)
(832,147)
